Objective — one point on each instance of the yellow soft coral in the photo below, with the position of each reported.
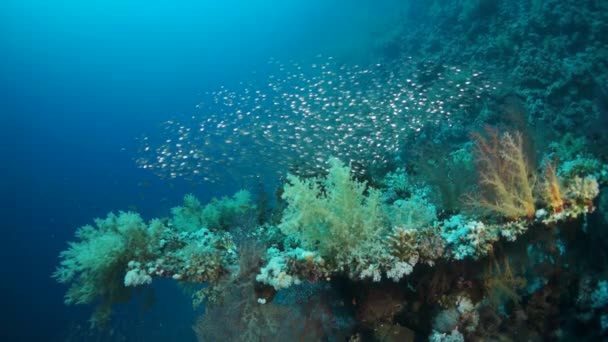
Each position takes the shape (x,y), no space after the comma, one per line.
(504,175)
(551,188)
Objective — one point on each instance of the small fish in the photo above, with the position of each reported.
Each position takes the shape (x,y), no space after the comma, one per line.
(296,117)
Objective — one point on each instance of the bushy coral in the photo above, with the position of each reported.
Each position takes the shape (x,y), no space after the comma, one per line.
(580,166)
(122,252)
(192,216)
(188,217)
(412,212)
(334,215)
(398,181)
(467,238)
(94,266)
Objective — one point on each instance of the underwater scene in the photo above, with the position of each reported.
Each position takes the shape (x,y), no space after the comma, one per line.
(389,170)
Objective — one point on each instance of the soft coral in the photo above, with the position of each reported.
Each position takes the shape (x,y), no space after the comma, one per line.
(504,174)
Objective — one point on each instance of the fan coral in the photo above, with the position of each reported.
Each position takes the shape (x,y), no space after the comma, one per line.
(551,188)
(504,175)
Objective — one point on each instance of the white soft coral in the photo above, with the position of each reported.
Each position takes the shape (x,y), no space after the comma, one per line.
(275,272)
(136,276)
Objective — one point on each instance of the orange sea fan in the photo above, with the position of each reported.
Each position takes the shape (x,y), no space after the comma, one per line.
(551,188)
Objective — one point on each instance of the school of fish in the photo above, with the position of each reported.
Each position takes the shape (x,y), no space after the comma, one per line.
(296,117)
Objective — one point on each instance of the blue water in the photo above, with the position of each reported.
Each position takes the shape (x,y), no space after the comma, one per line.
(79,81)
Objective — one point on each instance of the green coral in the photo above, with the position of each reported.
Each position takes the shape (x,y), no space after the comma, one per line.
(94,266)
(398,181)
(333,215)
(121,252)
(192,216)
(414,212)
(188,217)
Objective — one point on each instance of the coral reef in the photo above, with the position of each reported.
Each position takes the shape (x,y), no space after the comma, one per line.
(337,230)
(415,228)
(122,252)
